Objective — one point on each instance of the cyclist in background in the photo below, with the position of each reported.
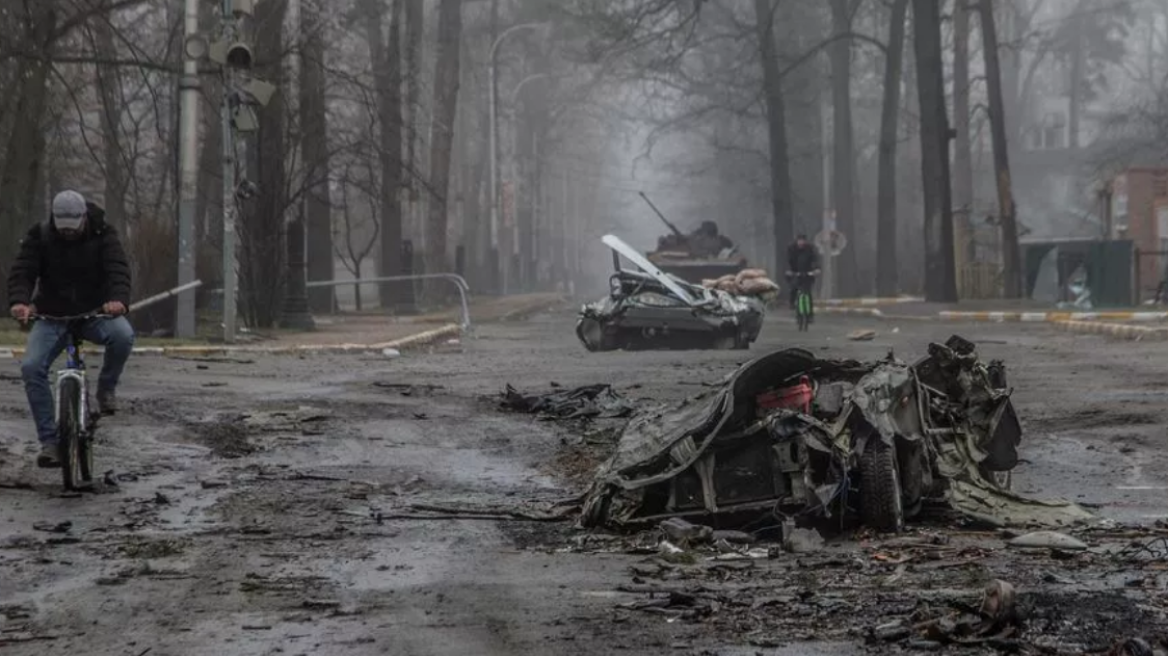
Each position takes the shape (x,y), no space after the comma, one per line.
(802,266)
(76,264)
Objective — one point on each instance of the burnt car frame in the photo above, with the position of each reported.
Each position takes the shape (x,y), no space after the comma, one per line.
(868,442)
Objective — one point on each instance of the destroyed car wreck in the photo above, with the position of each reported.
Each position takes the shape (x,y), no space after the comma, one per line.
(651,309)
(791,435)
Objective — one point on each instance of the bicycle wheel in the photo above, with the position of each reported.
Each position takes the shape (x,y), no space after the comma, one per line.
(69,436)
(802,311)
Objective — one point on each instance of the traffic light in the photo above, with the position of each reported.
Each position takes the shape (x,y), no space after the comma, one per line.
(234,54)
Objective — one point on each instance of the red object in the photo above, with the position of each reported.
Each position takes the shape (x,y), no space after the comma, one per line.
(796,397)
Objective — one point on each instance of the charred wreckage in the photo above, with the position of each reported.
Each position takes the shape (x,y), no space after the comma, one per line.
(792,436)
(649,308)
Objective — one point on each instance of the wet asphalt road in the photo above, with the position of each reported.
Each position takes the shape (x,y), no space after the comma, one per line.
(239,535)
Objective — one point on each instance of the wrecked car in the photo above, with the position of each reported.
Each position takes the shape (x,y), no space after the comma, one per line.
(791,435)
(653,309)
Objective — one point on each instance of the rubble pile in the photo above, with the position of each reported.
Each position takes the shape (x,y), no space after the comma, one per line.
(589,401)
(793,435)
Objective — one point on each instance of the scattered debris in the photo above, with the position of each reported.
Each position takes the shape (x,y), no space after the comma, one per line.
(862,335)
(1047,540)
(685,533)
(51,527)
(801,540)
(590,401)
(391,353)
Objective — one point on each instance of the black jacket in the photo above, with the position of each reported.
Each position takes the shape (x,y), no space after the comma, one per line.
(70,277)
(802,260)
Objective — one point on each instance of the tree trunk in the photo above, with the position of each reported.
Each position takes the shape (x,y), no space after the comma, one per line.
(886,274)
(963,152)
(940,283)
(315,154)
(262,263)
(414,122)
(387,77)
(1078,63)
(843,148)
(1011,272)
(780,165)
(477,238)
(442,133)
(109,88)
(25,149)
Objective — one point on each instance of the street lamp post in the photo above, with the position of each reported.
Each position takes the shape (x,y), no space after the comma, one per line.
(494,141)
(517,252)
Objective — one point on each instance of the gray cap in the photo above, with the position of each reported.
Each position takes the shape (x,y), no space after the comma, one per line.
(69,210)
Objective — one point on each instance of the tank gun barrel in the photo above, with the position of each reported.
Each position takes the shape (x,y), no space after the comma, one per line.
(662,216)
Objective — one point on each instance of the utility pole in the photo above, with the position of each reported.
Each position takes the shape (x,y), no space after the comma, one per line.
(241,94)
(229,207)
(193,49)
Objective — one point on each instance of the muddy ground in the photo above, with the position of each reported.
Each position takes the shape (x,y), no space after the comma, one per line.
(270,506)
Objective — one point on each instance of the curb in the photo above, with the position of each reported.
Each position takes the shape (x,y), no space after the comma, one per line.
(1007,317)
(1041,317)
(519,314)
(876,314)
(868,301)
(1123,331)
(411,341)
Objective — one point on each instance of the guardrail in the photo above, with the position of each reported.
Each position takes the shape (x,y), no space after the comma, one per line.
(459,283)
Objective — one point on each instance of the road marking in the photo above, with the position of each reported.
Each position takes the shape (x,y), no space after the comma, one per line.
(1141,487)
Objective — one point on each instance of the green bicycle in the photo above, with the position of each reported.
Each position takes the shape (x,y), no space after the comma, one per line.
(804,308)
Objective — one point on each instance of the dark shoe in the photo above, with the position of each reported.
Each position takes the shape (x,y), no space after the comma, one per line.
(107,402)
(49,457)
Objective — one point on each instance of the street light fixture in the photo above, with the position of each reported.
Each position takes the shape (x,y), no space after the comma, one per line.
(494,137)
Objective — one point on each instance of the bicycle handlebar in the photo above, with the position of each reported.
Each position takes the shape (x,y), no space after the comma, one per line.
(96,314)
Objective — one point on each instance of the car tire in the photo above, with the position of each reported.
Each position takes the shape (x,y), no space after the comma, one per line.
(881,506)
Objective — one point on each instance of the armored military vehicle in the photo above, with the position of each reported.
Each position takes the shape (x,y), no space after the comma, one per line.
(704,254)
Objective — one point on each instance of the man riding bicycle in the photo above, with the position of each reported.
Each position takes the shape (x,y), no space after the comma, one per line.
(76,264)
(802,266)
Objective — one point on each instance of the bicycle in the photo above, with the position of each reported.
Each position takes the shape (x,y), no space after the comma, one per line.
(75,422)
(803,302)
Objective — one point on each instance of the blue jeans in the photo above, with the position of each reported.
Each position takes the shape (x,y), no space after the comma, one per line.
(46,341)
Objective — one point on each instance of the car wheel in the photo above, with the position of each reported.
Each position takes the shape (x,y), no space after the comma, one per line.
(881,507)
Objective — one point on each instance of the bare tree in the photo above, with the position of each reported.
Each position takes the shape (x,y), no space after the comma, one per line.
(263,229)
(963,150)
(314,152)
(1011,269)
(442,133)
(843,143)
(23,154)
(387,81)
(940,282)
(350,248)
(886,273)
(780,166)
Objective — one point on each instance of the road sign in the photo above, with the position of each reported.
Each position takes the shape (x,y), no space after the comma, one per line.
(832,242)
